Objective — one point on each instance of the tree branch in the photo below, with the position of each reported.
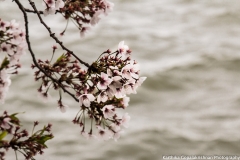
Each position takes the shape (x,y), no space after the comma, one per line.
(32,54)
(31,11)
(54,37)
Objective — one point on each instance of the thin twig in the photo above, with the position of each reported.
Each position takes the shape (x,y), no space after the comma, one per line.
(40,12)
(54,37)
(31,11)
(33,55)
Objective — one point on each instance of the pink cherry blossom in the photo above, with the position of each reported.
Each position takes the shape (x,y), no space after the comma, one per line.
(109,6)
(6,48)
(116,131)
(125,119)
(49,3)
(113,72)
(125,102)
(5,123)
(129,87)
(63,108)
(14,25)
(108,111)
(115,83)
(96,17)
(130,70)
(86,99)
(110,92)
(48,11)
(52,6)
(120,93)
(59,4)
(3,25)
(104,81)
(102,97)
(123,50)
(103,133)
(126,72)
(140,81)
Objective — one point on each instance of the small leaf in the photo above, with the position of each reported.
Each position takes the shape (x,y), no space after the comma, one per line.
(59,60)
(3,134)
(14,119)
(43,139)
(5,62)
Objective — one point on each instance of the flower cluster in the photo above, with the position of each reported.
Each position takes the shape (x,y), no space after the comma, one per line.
(28,145)
(85,13)
(101,90)
(13,44)
(52,6)
(21,141)
(12,41)
(110,79)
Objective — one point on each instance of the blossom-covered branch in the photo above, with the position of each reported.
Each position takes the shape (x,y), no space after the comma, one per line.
(32,53)
(12,136)
(101,88)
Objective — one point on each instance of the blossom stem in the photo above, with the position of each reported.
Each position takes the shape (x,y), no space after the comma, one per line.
(16,154)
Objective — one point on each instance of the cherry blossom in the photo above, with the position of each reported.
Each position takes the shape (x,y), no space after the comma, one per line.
(110,91)
(52,6)
(12,41)
(102,97)
(130,71)
(5,123)
(59,4)
(123,50)
(103,134)
(120,93)
(101,88)
(104,81)
(3,25)
(49,3)
(116,131)
(86,99)
(102,91)
(96,17)
(125,119)
(63,108)
(14,25)
(48,11)
(140,81)
(108,6)
(125,102)
(108,111)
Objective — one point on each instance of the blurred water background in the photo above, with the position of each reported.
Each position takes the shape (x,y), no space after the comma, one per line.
(190,102)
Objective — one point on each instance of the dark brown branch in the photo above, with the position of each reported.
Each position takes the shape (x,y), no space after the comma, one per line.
(31,11)
(32,54)
(54,37)
(40,12)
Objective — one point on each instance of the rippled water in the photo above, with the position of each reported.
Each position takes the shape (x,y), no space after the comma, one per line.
(190,103)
